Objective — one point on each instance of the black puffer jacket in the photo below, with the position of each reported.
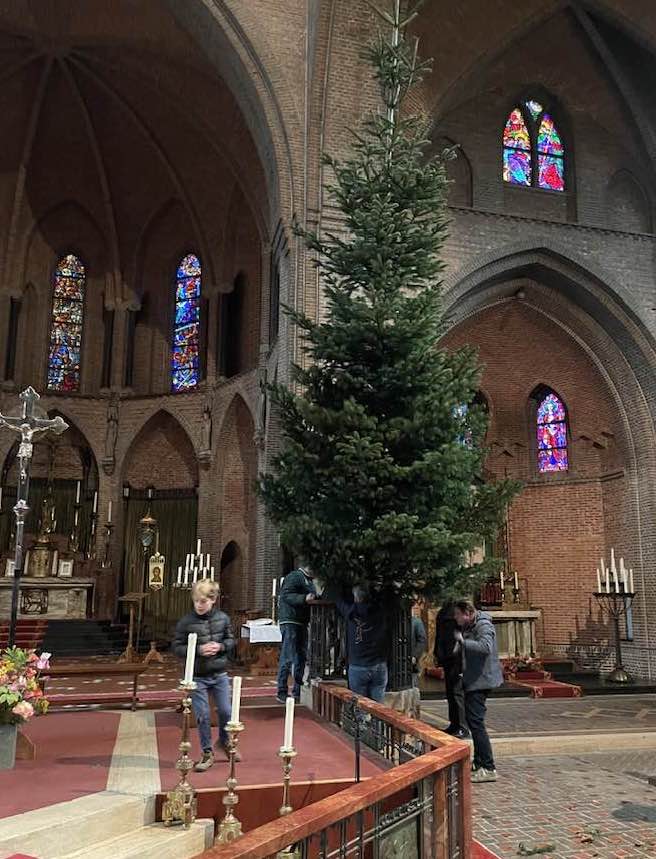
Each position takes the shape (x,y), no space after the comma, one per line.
(213,626)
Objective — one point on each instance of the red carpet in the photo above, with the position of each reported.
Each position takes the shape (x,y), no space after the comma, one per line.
(74,751)
(542,686)
(322,753)
(480,852)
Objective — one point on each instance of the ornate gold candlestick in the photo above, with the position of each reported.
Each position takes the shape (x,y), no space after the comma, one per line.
(180,804)
(230,827)
(287,756)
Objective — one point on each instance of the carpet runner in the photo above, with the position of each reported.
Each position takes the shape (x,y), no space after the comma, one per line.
(542,686)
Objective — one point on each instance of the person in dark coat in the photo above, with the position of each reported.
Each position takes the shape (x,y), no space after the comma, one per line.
(481,673)
(448,655)
(296,592)
(214,644)
(367,643)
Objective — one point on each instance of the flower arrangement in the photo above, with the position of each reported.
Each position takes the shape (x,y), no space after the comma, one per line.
(522,663)
(21,696)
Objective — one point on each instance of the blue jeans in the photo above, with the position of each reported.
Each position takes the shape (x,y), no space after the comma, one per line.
(368,680)
(217,685)
(293,656)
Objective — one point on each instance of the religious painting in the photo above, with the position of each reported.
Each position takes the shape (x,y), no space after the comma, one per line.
(65,569)
(156,571)
(34,601)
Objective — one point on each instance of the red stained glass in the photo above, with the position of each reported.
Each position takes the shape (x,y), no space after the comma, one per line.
(552,435)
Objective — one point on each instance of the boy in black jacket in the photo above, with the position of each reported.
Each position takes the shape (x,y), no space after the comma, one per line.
(215,641)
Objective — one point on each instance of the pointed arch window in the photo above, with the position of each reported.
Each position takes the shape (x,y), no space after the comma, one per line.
(533,151)
(551,420)
(185,353)
(66,322)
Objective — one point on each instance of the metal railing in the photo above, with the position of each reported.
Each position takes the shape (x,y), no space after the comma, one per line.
(327,646)
(417,809)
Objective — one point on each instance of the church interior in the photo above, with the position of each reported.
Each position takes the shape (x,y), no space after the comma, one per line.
(155,159)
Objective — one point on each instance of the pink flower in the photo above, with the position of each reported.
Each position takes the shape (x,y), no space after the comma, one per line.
(43,661)
(24,710)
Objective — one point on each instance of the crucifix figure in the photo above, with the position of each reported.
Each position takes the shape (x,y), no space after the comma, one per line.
(29,423)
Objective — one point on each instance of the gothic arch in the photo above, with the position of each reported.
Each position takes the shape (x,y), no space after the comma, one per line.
(161,453)
(627,204)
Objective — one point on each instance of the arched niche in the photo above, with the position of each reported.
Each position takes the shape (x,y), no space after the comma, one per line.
(161,456)
(459,172)
(237,464)
(627,204)
(231,577)
(58,464)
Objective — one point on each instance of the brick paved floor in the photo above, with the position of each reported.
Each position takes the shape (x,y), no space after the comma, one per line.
(525,716)
(586,806)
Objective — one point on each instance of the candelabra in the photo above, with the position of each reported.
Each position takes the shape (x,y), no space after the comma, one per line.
(180,803)
(616,603)
(515,590)
(287,756)
(74,536)
(230,827)
(107,561)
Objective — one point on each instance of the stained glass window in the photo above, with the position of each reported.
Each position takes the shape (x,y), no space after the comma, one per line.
(533,152)
(552,434)
(66,325)
(186,327)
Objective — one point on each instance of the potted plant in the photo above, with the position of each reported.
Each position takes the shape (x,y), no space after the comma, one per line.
(21,696)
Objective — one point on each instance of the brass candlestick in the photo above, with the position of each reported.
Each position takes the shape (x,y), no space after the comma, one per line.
(287,756)
(230,827)
(180,803)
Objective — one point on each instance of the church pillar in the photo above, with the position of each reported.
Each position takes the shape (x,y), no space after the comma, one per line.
(207,530)
(211,335)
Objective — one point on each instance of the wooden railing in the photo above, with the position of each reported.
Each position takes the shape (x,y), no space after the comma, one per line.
(421,807)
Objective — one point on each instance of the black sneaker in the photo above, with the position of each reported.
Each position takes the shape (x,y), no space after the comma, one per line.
(281,699)
(461,734)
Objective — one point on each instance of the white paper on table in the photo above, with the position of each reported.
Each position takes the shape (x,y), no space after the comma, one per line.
(259,621)
(269,634)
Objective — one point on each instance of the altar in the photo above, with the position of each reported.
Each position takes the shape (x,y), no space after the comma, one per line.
(48,596)
(515,631)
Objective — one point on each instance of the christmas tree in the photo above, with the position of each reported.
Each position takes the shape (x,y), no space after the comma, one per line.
(380,476)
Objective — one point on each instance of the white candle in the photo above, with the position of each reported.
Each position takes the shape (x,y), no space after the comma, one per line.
(236,699)
(212,573)
(275,586)
(207,562)
(613,568)
(95,502)
(77,493)
(607,581)
(289,724)
(625,578)
(77,513)
(195,574)
(198,546)
(191,656)
(186,575)
(516,582)
(598,581)
(616,584)
(631,580)
(501,582)
(179,575)
(187,561)
(109,513)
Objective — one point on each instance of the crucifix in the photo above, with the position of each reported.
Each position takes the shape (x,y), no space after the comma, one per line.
(30,422)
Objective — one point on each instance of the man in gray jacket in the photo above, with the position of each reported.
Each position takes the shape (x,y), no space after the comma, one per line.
(481,673)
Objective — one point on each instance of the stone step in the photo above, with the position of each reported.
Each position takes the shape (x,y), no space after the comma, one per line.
(56,830)
(151,842)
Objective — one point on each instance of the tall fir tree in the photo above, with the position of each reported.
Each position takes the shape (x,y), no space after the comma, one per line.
(380,475)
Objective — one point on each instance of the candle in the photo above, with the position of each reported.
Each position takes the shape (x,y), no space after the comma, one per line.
(501,581)
(516,582)
(109,513)
(186,580)
(195,574)
(236,699)
(198,546)
(607,582)
(275,585)
(191,656)
(289,724)
(95,502)
(187,561)
(212,573)
(180,575)
(613,568)
(623,573)
(77,493)
(616,584)
(598,581)
(631,580)
(77,513)
(207,562)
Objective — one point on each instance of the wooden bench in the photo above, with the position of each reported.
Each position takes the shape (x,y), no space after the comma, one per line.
(95,669)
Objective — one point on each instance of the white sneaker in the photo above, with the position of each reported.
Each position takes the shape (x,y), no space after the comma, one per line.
(481,775)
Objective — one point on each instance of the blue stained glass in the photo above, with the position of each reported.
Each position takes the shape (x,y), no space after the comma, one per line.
(67,317)
(186,329)
(517,166)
